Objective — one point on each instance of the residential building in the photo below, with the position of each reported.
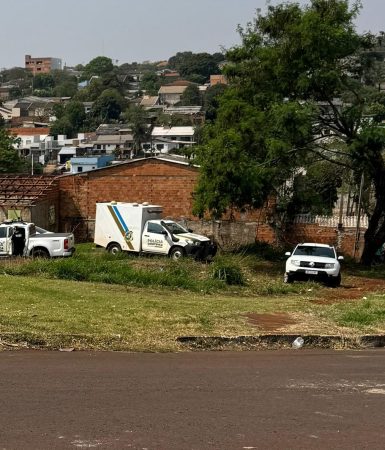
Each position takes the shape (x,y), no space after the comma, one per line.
(170,95)
(165,139)
(119,145)
(42,64)
(217,79)
(87,163)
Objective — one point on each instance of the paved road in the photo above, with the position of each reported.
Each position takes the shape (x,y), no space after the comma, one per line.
(301,399)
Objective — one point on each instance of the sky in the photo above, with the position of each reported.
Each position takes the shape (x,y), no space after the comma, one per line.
(76,31)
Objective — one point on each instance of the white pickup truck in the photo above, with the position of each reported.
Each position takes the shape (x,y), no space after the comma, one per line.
(19,238)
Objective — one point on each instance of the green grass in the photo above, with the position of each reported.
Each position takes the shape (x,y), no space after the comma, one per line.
(367,314)
(95,300)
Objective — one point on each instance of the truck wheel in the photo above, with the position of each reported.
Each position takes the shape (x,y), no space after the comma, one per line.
(40,253)
(335,281)
(114,248)
(176,253)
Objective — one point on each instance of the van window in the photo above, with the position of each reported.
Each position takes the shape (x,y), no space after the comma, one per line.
(3,232)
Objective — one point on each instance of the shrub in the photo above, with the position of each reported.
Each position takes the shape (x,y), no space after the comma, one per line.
(228,270)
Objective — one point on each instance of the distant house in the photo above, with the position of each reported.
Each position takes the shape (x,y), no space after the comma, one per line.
(217,79)
(87,163)
(33,140)
(120,145)
(149,101)
(170,95)
(5,113)
(65,154)
(42,64)
(165,139)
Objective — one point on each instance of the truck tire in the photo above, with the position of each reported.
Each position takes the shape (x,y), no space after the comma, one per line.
(114,248)
(40,253)
(335,281)
(176,253)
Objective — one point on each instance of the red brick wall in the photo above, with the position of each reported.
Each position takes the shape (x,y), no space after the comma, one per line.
(158,182)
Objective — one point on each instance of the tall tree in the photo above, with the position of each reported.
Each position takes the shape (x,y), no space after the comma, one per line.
(191,96)
(10,161)
(300,73)
(101,65)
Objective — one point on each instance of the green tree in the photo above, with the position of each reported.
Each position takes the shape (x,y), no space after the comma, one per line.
(62,126)
(101,65)
(150,83)
(211,101)
(138,121)
(196,67)
(108,105)
(191,96)
(10,161)
(299,72)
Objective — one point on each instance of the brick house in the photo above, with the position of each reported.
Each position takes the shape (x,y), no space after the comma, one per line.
(165,181)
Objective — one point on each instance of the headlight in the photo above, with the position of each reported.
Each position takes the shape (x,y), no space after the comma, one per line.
(190,242)
(329,266)
(295,262)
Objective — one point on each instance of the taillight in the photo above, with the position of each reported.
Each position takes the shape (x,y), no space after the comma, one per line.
(65,244)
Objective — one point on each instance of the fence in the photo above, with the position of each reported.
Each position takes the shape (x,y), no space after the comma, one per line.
(332,221)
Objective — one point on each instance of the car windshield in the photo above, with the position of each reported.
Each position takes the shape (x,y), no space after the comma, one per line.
(175,228)
(308,250)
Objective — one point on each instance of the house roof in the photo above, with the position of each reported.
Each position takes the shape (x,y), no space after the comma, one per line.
(173,159)
(172,131)
(29,131)
(105,139)
(67,151)
(172,89)
(149,100)
(24,191)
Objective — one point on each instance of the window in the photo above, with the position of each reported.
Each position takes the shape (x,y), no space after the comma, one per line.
(80,169)
(155,228)
(307,250)
(159,146)
(3,232)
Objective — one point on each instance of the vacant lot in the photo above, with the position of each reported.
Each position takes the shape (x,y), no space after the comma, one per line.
(144,304)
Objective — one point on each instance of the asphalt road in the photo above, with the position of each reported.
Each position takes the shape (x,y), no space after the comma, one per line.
(290,399)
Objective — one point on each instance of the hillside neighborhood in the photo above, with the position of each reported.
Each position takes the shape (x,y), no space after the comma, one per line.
(111,121)
(192,225)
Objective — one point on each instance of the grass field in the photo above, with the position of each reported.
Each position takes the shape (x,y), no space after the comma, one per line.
(144,304)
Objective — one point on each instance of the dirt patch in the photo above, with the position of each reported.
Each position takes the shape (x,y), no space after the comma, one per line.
(354,289)
(270,322)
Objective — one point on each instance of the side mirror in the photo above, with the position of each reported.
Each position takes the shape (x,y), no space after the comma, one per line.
(164,232)
(190,230)
(340,258)
(287,254)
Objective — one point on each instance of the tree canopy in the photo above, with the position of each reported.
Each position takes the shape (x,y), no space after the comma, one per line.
(300,92)
(10,161)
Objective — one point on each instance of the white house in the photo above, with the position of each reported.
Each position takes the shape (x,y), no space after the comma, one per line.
(165,139)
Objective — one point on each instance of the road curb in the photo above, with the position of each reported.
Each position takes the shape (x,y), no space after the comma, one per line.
(279,341)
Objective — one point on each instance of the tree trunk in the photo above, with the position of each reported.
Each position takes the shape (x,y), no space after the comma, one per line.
(375,234)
